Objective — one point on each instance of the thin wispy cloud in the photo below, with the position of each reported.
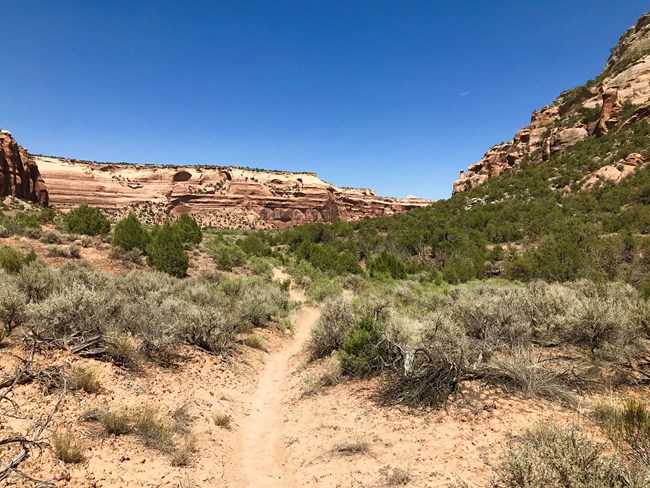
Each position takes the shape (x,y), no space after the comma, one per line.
(463,94)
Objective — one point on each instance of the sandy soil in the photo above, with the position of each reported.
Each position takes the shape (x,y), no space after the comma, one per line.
(285,432)
(264,455)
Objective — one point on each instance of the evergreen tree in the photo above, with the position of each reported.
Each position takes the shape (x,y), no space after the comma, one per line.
(87,220)
(166,252)
(130,234)
(387,264)
(188,229)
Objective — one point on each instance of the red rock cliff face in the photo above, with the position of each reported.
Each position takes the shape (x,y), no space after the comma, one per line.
(577,114)
(218,196)
(19,174)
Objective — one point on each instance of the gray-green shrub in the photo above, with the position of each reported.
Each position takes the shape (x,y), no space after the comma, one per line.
(328,333)
(552,457)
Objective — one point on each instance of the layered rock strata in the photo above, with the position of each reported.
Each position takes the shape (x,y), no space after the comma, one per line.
(230,197)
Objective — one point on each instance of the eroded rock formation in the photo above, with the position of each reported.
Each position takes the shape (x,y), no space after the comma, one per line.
(610,106)
(615,172)
(19,174)
(589,110)
(217,196)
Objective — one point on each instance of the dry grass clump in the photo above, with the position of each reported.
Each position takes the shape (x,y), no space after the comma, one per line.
(397,476)
(85,379)
(67,447)
(256,342)
(629,427)
(120,349)
(185,453)
(182,420)
(116,423)
(223,420)
(554,457)
(350,448)
(154,432)
(171,437)
(520,371)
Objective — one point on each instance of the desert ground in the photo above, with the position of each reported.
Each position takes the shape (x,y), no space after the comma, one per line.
(282,428)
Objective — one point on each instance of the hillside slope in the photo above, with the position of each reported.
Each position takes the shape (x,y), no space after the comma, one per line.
(619,96)
(567,199)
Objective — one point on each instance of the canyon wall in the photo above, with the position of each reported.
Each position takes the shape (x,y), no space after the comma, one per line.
(19,174)
(230,197)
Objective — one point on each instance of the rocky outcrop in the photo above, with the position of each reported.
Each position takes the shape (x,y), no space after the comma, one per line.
(615,172)
(589,110)
(217,196)
(610,106)
(19,174)
(634,41)
(563,138)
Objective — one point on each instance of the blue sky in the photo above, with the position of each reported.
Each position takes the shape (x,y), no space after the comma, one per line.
(393,95)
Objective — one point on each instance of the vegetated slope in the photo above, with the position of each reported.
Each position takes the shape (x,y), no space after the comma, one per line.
(620,93)
(580,212)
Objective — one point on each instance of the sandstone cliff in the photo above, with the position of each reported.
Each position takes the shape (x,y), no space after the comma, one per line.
(587,111)
(217,196)
(19,174)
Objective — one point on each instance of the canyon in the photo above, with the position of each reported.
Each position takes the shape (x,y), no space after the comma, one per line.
(218,196)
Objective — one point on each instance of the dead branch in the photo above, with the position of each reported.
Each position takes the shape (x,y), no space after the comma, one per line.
(28,444)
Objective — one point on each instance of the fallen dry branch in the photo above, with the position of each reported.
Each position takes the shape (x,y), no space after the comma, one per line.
(419,377)
(25,374)
(27,444)
(94,346)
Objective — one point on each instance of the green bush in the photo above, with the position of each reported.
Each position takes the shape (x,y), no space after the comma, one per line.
(166,252)
(72,311)
(188,229)
(130,234)
(13,306)
(322,288)
(387,264)
(227,256)
(259,303)
(87,220)
(254,246)
(10,259)
(603,322)
(116,423)
(360,354)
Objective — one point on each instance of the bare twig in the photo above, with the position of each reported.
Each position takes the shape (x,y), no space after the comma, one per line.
(24,374)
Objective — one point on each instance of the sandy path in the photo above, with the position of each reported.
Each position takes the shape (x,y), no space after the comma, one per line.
(264,456)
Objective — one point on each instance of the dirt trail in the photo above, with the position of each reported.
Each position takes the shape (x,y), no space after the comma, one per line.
(264,458)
